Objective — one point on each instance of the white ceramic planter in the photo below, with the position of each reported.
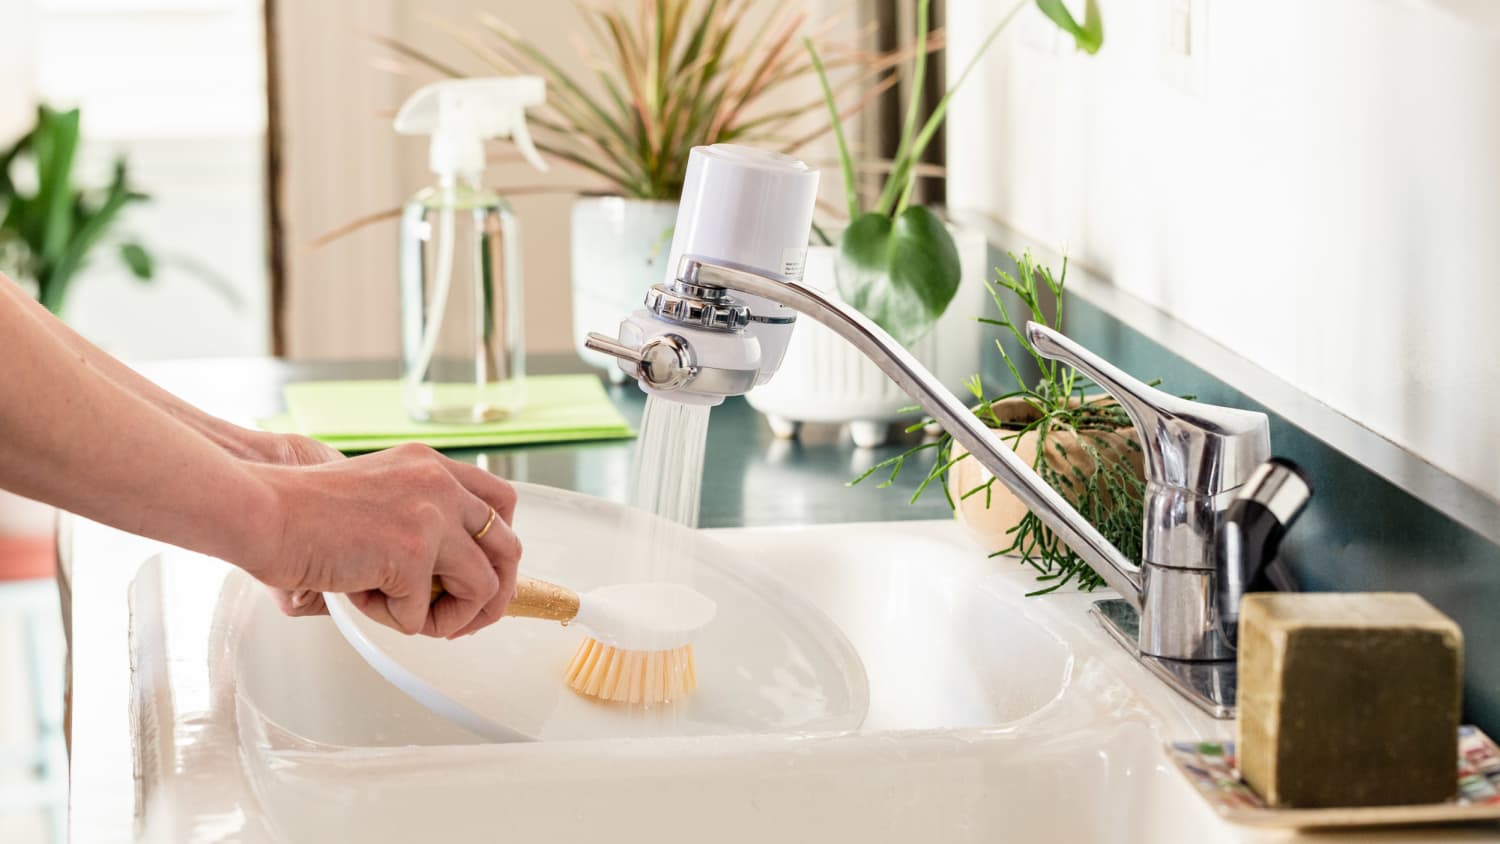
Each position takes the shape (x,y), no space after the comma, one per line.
(620,249)
(823,378)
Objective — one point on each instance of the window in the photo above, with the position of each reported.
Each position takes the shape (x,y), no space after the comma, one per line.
(177,87)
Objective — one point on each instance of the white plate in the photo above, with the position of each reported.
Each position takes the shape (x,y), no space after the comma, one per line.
(769,662)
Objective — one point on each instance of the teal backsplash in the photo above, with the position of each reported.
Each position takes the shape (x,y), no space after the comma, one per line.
(1361,533)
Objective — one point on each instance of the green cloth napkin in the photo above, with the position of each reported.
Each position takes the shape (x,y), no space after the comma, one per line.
(368,415)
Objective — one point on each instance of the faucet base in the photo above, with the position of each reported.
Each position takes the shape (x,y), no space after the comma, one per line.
(1209,685)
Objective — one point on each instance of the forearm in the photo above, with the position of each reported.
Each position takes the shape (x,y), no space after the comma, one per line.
(73,437)
(227,435)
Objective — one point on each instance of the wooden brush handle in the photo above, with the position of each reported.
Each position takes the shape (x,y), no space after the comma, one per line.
(534,599)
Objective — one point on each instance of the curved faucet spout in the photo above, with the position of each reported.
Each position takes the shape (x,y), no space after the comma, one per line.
(958,420)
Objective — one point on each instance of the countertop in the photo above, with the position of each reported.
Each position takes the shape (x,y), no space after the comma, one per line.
(750,478)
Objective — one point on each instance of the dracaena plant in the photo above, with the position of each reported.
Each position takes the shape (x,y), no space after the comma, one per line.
(655,78)
(897,262)
(48,234)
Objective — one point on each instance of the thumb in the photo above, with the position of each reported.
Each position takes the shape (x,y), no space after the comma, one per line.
(409,612)
(394,607)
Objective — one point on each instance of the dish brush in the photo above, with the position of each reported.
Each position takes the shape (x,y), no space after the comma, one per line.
(640,644)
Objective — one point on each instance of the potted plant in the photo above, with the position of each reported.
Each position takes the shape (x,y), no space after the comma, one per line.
(1083,445)
(49,228)
(899,264)
(652,82)
(48,233)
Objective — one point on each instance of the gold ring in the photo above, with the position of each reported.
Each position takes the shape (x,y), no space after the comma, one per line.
(487,524)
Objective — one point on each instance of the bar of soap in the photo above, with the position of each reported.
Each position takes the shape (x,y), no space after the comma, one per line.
(1348,699)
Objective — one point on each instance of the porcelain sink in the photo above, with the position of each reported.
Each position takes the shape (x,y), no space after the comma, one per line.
(992,717)
(939,653)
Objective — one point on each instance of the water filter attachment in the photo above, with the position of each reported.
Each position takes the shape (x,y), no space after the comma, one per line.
(460,114)
(751,209)
(742,208)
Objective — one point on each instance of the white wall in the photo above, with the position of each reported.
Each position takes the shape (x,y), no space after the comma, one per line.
(1318,188)
(17,67)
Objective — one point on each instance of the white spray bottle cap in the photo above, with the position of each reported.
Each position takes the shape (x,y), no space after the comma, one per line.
(460,114)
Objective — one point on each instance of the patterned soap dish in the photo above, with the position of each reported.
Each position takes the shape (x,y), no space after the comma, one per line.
(1211,768)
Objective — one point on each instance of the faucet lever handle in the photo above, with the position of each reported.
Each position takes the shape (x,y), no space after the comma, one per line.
(614,348)
(1200,447)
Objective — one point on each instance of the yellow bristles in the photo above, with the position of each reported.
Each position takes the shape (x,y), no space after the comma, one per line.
(637,677)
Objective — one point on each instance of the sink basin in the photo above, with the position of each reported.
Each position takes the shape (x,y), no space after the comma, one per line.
(939,652)
(991,716)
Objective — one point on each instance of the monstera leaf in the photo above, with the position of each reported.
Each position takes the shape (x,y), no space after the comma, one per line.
(900,273)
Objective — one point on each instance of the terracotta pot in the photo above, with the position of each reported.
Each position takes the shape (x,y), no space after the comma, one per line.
(990,522)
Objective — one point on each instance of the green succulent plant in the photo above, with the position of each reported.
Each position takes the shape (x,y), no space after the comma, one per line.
(48,234)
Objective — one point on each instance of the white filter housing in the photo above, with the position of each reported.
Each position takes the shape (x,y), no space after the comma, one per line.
(751,209)
(745,207)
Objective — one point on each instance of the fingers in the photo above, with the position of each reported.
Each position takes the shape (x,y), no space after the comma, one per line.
(299,603)
(493,490)
(303,603)
(431,533)
(469,585)
(396,606)
(372,602)
(502,548)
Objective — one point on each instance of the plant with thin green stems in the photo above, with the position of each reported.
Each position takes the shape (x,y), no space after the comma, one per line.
(897,262)
(47,235)
(1106,489)
(659,77)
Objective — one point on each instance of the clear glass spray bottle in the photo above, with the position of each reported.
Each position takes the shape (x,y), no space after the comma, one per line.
(462,316)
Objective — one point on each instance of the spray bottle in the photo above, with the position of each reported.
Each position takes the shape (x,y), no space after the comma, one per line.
(463,346)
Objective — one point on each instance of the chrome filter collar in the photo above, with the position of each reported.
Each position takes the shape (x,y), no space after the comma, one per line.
(692,304)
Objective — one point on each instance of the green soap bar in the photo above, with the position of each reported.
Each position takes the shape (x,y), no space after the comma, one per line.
(1348,699)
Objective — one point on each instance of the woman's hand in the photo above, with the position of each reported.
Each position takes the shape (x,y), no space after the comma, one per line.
(283,450)
(380,526)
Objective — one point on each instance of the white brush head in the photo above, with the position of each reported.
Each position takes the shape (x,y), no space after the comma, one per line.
(645,616)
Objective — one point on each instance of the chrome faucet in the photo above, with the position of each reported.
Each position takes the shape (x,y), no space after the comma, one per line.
(699,340)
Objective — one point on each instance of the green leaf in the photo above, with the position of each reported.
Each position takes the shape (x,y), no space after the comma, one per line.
(846,164)
(138,260)
(1089,36)
(898,188)
(900,274)
(899,182)
(55,145)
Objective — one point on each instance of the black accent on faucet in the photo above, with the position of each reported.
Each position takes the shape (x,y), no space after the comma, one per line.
(1250,537)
